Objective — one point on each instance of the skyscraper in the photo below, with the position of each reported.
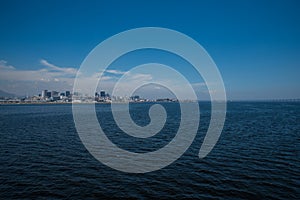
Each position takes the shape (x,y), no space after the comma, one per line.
(54,94)
(68,93)
(44,94)
(102,94)
(48,94)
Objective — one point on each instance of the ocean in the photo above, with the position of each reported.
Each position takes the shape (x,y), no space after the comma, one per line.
(256,157)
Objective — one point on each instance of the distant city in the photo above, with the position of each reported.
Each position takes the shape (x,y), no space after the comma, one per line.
(48,96)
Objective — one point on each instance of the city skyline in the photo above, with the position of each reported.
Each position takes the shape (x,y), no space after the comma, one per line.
(48,96)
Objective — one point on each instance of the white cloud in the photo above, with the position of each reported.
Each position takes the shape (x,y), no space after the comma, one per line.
(68,70)
(5,66)
(113,71)
(53,77)
(55,73)
(108,82)
(138,77)
(33,81)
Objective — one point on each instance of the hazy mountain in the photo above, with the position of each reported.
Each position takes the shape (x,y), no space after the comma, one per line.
(6,94)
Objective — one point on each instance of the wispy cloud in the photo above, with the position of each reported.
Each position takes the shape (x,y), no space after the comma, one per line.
(113,71)
(32,81)
(55,73)
(5,66)
(68,70)
(54,77)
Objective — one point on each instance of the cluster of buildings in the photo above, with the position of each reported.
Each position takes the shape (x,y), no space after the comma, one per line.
(53,96)
(67,96)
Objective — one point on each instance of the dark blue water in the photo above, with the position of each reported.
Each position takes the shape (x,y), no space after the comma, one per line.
(257,156)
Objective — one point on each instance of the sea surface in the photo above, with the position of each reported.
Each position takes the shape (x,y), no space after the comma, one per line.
(256,157)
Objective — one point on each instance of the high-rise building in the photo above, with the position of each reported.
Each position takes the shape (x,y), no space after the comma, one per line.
(48,94)
(54,94)
(102,94)
(44,94)
(135,98)
(68,94)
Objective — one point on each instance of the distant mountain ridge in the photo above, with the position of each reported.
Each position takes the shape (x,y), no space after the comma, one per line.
(6,94)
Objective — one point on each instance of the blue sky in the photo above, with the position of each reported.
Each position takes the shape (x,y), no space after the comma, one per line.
(255,44)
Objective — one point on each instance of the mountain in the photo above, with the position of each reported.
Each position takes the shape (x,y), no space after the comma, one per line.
(6,94)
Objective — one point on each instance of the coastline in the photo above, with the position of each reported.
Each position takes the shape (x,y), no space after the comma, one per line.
(83,103)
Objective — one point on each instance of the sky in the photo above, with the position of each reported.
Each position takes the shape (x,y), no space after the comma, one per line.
(255,44)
